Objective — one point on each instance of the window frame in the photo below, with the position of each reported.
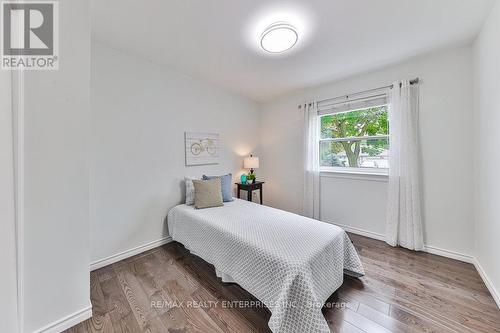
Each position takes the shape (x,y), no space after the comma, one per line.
(347,169)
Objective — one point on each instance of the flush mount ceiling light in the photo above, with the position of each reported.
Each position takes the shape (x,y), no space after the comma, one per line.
(279,37)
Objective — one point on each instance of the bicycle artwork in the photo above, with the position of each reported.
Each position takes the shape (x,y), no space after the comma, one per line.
(207,145)
(202,148)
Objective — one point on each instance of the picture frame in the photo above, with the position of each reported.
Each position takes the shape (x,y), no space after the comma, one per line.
(202,148)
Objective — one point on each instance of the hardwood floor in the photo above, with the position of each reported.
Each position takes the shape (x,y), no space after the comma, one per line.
(169,290)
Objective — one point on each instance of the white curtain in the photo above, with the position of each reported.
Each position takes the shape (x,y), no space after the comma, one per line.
(8,256)
(310,202)
(404,218)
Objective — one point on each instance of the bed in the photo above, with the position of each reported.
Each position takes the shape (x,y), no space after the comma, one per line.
(290,263)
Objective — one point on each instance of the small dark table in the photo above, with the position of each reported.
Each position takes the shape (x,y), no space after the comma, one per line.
(249,188)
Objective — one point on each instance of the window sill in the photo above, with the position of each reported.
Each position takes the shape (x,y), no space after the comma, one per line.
(355,174)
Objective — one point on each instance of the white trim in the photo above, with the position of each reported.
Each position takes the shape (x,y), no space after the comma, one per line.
(356,171)
(68,321)
(493,291)
(366,176)
(18,131)
(449,254)
(349,103)
(427,248)
(129,253)
(361,232)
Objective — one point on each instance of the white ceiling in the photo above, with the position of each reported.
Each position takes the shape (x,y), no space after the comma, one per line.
(217,40)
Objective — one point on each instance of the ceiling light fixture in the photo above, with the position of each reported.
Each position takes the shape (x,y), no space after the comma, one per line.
(279,37)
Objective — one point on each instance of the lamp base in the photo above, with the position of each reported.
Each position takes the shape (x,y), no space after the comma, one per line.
(253,180)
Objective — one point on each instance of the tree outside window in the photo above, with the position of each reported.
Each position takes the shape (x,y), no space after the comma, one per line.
(355,139)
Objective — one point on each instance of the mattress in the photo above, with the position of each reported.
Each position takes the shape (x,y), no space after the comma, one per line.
(291,263)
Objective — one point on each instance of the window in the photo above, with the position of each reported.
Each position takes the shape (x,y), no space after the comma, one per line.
(355,140)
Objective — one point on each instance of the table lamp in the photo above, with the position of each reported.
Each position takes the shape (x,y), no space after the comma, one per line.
(251,162)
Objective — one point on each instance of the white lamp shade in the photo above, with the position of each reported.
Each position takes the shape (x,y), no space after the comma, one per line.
(251,162)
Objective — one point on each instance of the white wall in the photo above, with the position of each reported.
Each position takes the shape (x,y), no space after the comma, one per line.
(445,116)
(56,172)
(8,255)
(140,112)
(486,170)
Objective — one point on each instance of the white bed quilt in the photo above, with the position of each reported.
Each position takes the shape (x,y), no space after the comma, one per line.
(289,262)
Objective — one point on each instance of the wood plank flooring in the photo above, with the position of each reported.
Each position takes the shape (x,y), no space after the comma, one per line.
(169,290)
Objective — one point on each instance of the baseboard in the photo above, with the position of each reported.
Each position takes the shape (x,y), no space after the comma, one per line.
(427,248)
(493,291)
(67,322)
(360,232)
(129,253)
(449,254)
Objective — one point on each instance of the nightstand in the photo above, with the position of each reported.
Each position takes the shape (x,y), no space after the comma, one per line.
(249,187)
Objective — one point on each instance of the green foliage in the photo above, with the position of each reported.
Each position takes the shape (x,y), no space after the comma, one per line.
(371,121)
(366,122)
(251,176)
(374,147)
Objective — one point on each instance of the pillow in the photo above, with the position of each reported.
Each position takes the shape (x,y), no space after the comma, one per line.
(190,190)
(207,193)
(226,187)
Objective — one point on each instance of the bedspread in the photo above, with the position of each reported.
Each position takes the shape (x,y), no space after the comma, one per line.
(290,263)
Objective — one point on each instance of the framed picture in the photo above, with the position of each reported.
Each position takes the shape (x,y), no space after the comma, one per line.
(202,148)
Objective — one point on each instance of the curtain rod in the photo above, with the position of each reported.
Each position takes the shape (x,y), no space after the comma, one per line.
(414,81)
